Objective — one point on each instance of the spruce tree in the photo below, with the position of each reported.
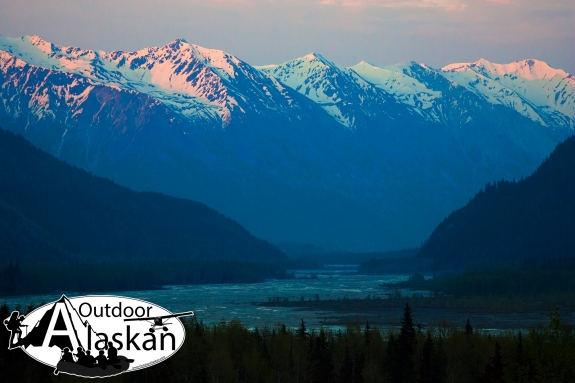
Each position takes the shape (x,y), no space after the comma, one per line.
(407,334)
(392,367)
(322,369)
(346,369)
(468,328)
(301,331)
(405,347)
(427,362)
(494,369)
(358,364)
(441,362)
(366,333)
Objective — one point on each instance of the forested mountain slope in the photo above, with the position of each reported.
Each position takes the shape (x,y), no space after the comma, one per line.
(363,158)
(530,219)
(51,211)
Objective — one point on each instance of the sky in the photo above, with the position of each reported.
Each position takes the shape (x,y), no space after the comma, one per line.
(382,32)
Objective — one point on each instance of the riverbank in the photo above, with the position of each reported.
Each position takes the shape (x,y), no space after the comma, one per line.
(501,314)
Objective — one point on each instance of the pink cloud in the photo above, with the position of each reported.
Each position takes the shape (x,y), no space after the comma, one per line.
(448,5)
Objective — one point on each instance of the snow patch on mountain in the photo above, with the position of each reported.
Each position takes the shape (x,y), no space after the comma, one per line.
(339,91)
(196,82)
(207,84)
(405,89)
(531,87)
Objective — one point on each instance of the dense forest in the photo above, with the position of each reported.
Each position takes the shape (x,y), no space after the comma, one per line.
(230,352)
(53,212)
(528,279)
(533,218)
(39,278)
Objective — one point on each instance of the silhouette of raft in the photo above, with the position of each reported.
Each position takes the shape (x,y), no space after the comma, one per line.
(116,368)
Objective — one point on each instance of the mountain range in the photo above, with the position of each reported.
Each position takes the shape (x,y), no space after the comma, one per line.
(53,212)
(361,158)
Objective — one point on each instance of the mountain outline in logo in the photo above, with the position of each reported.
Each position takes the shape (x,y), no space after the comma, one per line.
(97,335)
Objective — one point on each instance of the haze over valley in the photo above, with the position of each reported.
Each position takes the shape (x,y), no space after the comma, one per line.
(326,191)
(359,158)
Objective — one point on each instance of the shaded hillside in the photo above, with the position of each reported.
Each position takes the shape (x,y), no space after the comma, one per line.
(530,219)
(360,159)
(51,211)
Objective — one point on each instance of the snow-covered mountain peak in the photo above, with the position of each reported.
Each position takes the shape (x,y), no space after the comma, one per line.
(531,87)
(405,67)
(363,64)
(217,59)
(405,89)
(314,59)
(59,52)
(314,56)
(528,69)
(178,41)
(198,81)
(42,44)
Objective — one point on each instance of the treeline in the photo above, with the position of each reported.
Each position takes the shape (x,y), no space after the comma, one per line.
(112,276)
(229,352)
(529,279)
(533,218)
(51,211)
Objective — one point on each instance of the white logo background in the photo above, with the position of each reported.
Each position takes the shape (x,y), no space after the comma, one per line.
(103,314)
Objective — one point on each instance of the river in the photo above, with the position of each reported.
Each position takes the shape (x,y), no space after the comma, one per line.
(216,302)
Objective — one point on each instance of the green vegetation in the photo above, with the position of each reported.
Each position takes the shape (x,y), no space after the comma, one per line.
(229,352)
(45,278)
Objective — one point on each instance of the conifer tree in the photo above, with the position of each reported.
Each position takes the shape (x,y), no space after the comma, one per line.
(366,333)
(427,362)
(346,369)
(494,369)
(391,366)
(407,334)
(468,328)
(441,362)
(405,347)
(322,370)
(525,369)
(358,364)
(302,329)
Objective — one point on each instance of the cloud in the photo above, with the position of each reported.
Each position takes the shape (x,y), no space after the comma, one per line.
(448,5)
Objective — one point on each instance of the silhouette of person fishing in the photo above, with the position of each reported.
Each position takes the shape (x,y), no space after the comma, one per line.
(13,324)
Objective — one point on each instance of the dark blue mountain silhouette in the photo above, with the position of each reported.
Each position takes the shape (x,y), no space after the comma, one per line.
(50,211)
(530,219)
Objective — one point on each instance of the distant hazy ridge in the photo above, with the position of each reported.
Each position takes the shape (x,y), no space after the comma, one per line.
(363,158)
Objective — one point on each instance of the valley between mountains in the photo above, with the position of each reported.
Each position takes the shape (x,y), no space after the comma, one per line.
(364,158)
